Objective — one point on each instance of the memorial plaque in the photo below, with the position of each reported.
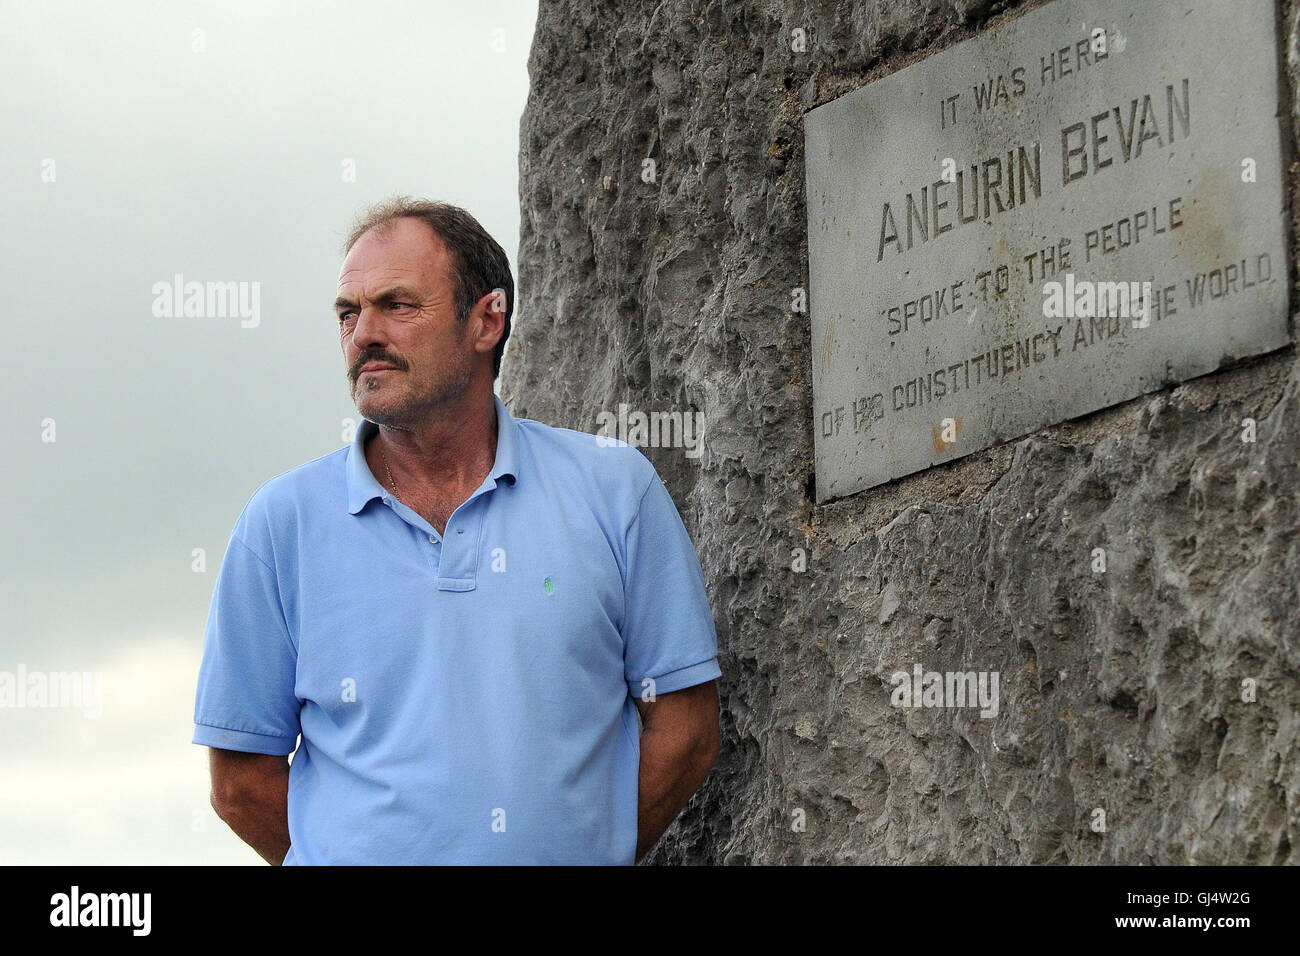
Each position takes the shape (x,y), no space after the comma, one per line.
(1074,208)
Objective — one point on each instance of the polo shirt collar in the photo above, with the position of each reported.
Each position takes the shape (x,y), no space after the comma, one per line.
(363,487)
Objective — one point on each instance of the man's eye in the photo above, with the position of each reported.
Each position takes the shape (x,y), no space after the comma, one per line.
(343,317)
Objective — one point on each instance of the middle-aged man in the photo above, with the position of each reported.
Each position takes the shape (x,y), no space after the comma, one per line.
(461,613)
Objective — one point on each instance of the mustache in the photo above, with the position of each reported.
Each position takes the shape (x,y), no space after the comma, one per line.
(367,357)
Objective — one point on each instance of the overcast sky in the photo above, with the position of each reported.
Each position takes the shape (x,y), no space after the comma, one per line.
(211,140)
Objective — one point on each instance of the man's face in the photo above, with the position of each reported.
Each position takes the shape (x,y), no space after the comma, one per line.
(405,352)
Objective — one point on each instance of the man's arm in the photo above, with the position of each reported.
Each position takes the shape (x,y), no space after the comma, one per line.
(679,744)
(250,792)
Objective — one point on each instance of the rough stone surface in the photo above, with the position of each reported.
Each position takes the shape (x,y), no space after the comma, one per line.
(1120,691)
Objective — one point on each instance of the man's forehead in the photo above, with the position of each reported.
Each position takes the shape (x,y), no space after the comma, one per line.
(380,277)
(405,253)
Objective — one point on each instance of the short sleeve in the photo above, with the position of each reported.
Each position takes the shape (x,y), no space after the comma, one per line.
(668,634)
(246,699)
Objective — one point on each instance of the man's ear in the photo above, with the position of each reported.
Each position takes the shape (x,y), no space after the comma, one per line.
(490,311)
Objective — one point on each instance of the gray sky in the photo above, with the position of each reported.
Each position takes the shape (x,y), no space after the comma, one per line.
(219,155)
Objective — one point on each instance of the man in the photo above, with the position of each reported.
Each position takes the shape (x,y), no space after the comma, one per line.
(462,613)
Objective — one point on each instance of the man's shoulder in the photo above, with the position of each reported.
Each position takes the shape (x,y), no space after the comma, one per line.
(281,498)
(594,463)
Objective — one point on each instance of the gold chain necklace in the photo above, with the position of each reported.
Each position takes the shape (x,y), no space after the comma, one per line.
(390,472)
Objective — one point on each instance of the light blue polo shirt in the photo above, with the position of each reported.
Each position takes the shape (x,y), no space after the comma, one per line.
(464,698)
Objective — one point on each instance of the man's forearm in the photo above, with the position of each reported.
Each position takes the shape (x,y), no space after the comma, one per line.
(264,828)
(257,810)
(670,773)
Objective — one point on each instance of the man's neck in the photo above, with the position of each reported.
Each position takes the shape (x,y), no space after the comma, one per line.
(456,448)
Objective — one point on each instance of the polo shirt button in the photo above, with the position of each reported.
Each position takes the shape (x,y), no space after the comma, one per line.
(432,539)
(389,502)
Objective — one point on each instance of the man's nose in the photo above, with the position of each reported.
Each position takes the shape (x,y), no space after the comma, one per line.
(369,332)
